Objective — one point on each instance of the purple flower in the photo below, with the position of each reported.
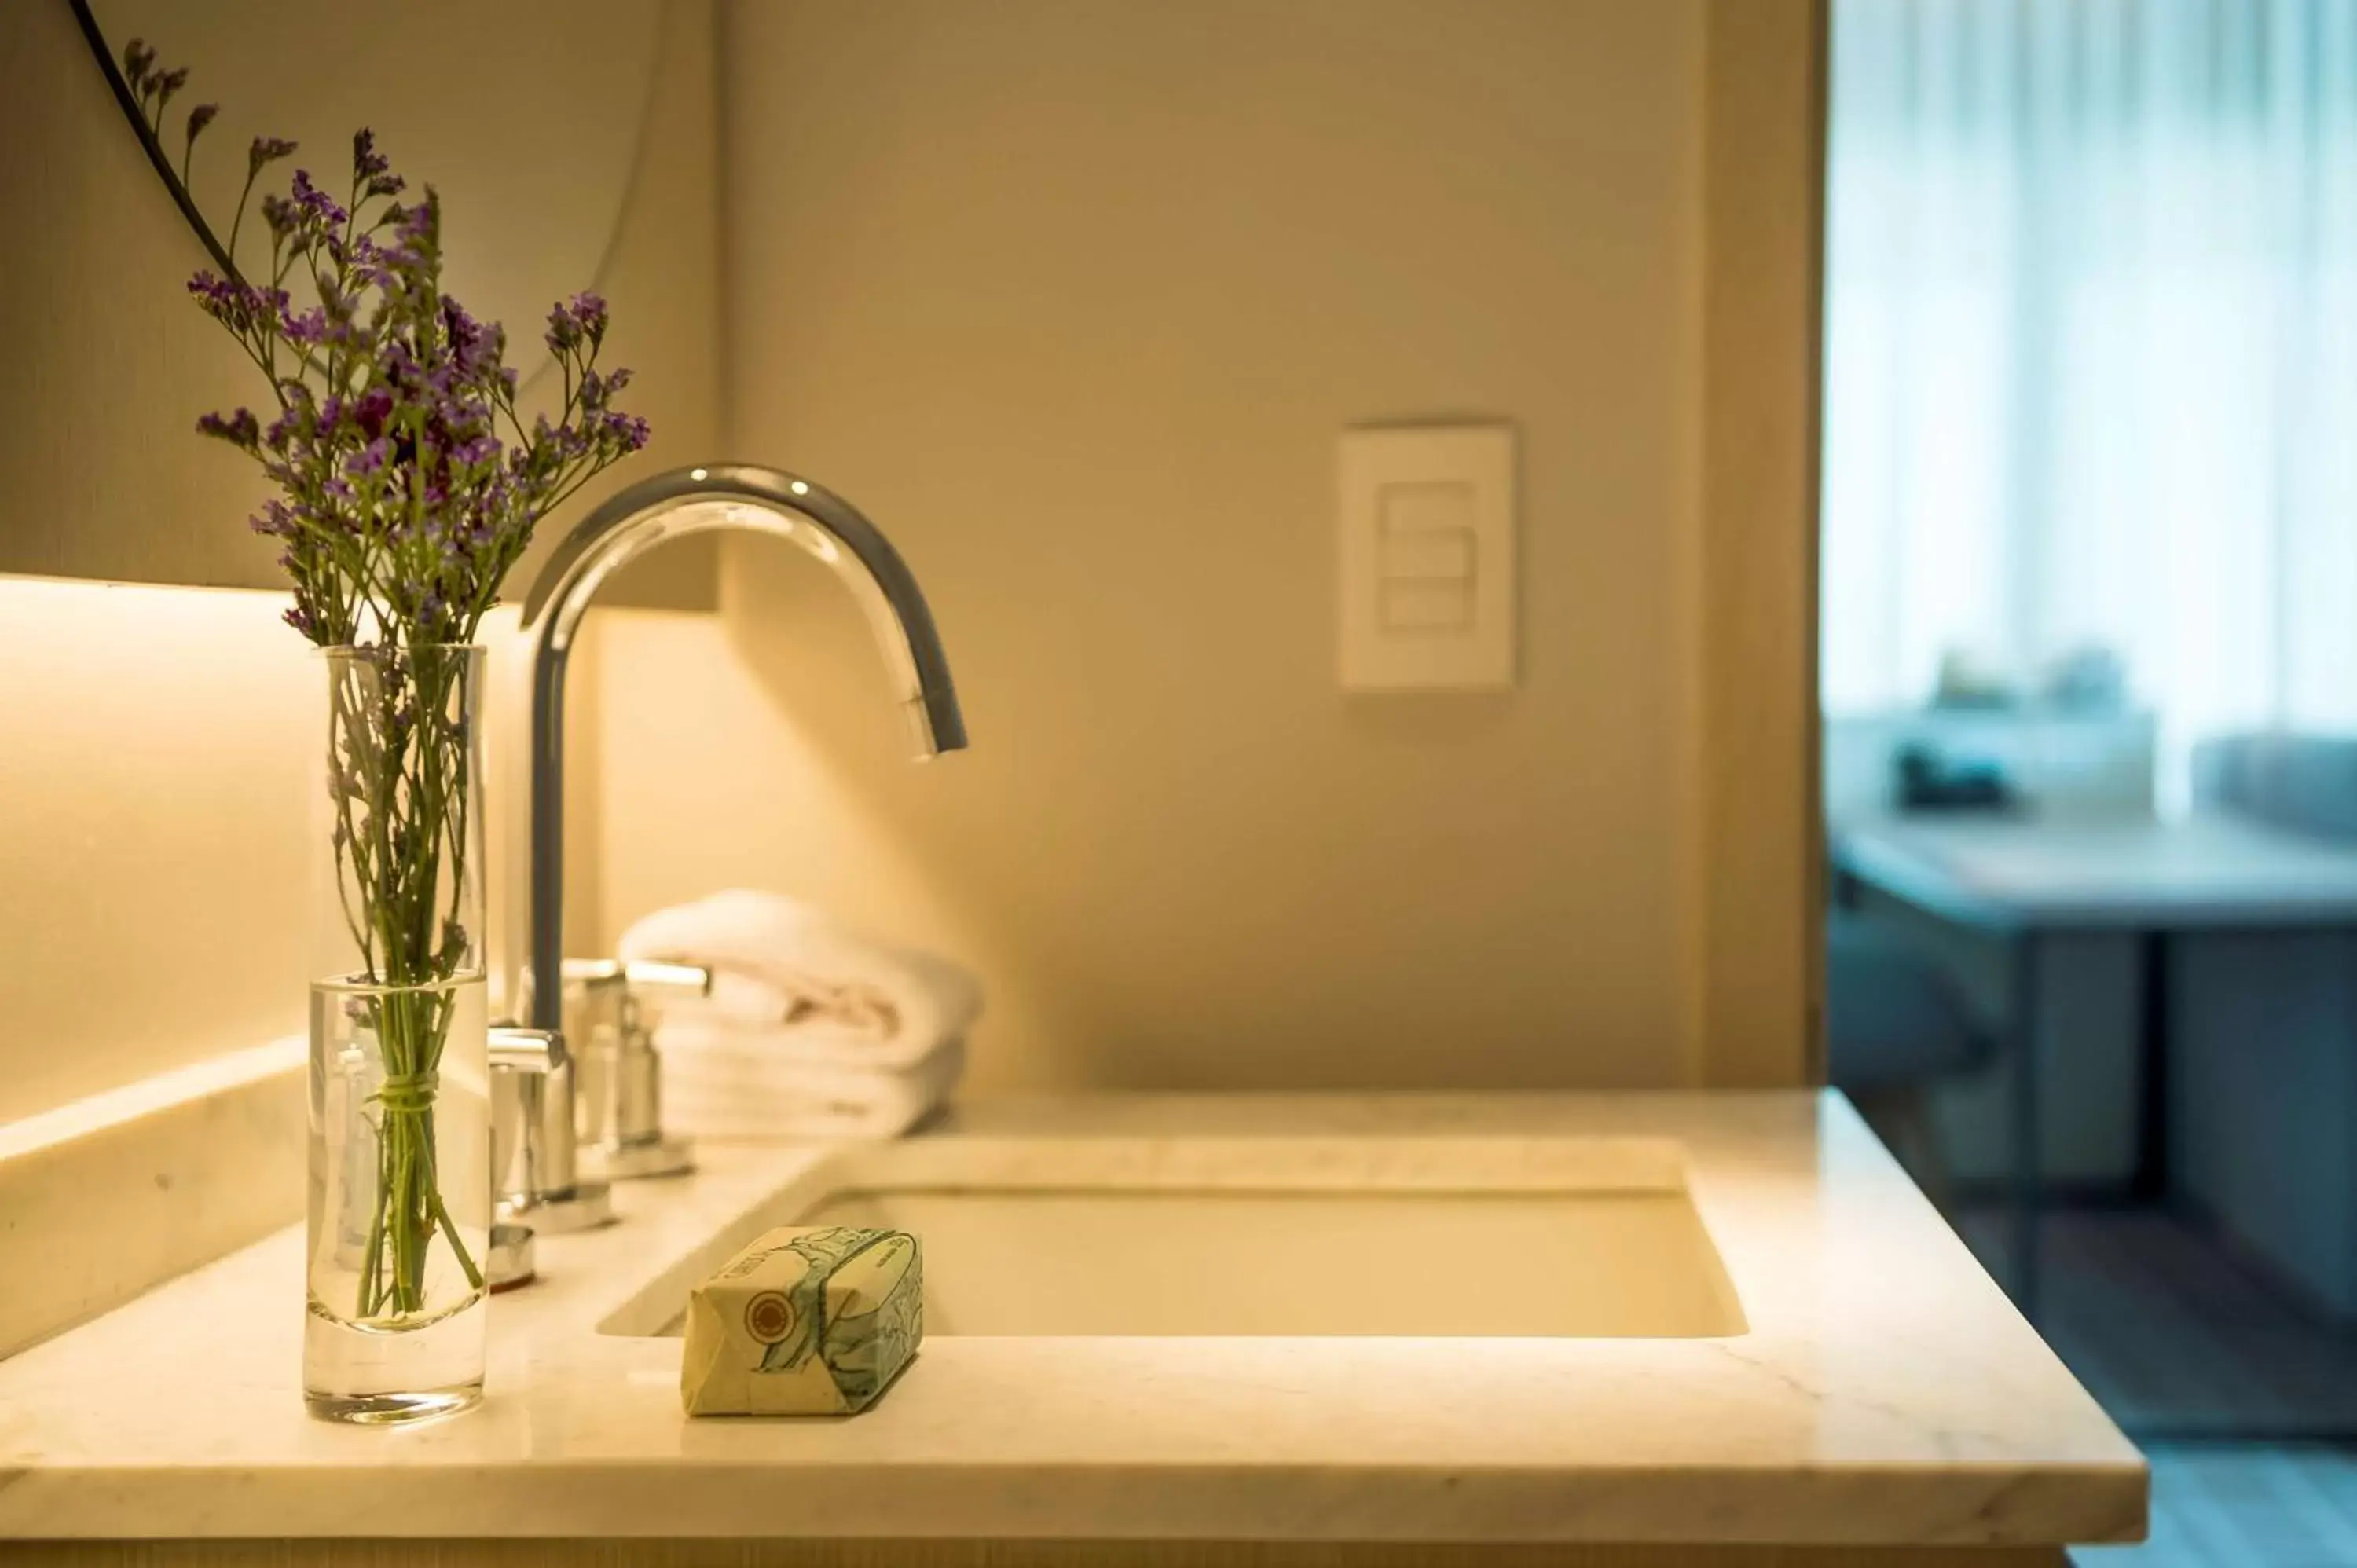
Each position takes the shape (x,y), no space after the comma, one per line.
(236,306)
(241,429)
(564,332)
(628,430)
(200,117)
(412,257)
(419,228)
(384,447)
(138,59)
(316,205)
(308,326)
(367,162)
(371,412)
(589,311)
(283,429)
(218,296)
(581,319)
(266,150)
(274,520)
(475,349)
(593,391)
(169,83)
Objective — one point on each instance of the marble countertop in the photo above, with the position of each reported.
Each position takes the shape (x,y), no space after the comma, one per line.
(1885,1392)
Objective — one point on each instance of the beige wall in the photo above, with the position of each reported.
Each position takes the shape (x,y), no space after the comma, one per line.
(151,831)
(153,740)
(1074,299)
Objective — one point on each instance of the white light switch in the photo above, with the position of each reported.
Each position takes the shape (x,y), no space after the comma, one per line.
(1427,557)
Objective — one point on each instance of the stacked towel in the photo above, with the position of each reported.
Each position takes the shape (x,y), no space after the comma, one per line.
(810,1031)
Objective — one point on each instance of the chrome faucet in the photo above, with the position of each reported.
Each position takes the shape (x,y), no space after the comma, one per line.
(669,506)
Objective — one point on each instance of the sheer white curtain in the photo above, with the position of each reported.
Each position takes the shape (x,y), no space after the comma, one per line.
(2091,370)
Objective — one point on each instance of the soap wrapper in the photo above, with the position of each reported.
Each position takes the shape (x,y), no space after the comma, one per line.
(804,1321)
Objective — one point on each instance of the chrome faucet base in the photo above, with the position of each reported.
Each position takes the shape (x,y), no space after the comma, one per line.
(583,1206)
(508,1262)
(642,1162)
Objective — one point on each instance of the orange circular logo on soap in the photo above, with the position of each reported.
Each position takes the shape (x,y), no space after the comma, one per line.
(769,1317)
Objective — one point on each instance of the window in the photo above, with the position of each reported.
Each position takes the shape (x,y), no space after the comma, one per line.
(2091,369)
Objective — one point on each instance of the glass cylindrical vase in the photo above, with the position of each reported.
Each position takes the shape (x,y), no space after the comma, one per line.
(400,1207)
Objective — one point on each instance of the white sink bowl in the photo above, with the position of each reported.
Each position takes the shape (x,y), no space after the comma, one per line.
(1312,1236)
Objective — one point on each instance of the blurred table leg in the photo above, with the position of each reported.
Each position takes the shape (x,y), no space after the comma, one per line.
(2025,1182)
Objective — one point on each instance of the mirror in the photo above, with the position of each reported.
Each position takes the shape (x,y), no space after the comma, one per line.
(525,115)
(573,142)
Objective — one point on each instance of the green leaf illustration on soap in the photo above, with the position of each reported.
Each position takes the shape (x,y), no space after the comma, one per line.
(881,1321)
(831,1256)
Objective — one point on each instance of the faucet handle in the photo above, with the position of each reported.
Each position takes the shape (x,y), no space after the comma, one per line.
(518,1049)
(514,1052)
(533,1144)
(582,975)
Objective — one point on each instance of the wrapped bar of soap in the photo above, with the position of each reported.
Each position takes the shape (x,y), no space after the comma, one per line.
(804,1321)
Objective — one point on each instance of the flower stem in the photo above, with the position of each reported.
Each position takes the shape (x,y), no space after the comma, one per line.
(400,759)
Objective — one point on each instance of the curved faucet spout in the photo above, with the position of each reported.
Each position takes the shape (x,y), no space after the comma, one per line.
(669,506)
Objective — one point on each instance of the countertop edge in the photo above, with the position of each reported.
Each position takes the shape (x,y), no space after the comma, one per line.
(1995,1505)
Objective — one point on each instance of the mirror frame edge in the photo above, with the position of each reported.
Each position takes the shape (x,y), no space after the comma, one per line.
(128,102)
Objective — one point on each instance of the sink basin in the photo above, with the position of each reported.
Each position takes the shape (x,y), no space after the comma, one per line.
(1083,1237)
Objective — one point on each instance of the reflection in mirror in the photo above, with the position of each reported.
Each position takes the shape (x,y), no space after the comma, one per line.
(525,115)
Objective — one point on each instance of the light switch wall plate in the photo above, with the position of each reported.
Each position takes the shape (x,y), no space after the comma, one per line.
(1427,557)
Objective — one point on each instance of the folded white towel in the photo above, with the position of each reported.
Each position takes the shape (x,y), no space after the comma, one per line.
(733,1095)
(810,990)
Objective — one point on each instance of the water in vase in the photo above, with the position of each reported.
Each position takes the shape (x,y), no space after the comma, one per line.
(400,1200)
